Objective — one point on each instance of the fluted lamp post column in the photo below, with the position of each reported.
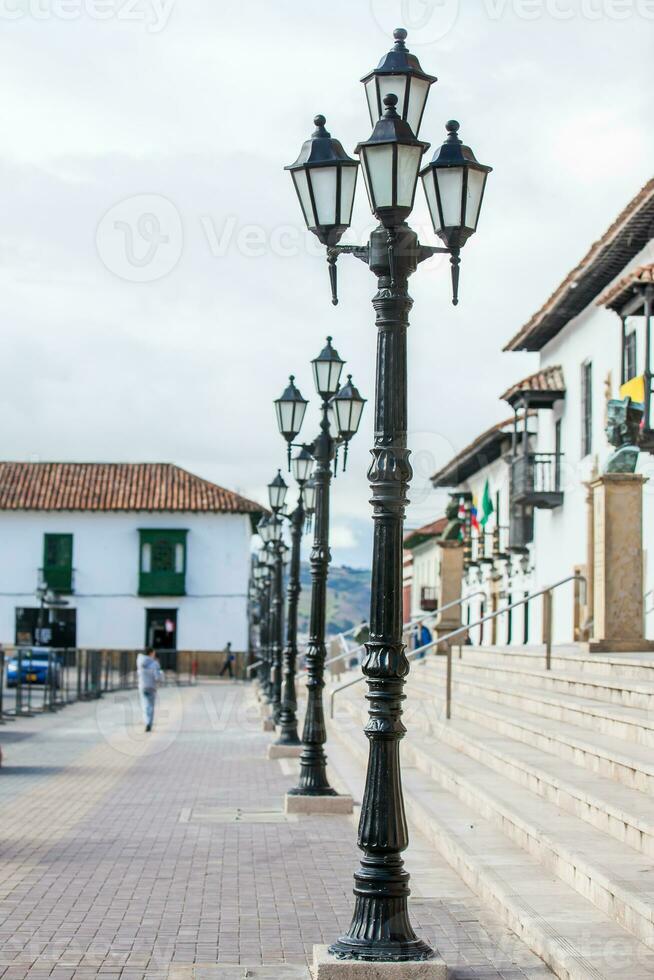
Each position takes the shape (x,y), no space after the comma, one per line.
(454,184)
(314,794)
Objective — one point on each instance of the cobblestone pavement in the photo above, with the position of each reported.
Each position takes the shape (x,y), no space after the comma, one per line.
(126,855)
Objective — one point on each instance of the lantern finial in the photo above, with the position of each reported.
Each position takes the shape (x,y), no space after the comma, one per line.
(399,35)
(319,122)
(390,101)
(453,128)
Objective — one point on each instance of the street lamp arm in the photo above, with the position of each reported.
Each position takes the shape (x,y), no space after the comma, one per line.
(361,252)
(426,251)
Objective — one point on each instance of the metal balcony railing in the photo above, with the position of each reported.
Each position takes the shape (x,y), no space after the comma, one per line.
(536,479)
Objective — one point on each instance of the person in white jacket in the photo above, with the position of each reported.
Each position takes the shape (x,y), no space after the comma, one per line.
(148,672)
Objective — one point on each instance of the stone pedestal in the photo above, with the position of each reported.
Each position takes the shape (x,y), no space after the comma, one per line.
(328,967)
(618,612)
(449,590)
(296,803)
(284,751)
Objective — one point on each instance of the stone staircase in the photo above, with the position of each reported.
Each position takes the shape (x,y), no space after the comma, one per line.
(538,792)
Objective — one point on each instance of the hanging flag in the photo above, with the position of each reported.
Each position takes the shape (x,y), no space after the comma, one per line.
(486,505)
(473,514)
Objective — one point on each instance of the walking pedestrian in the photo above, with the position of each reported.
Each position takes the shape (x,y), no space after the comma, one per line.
(422,636)
(149,673)
(227,667)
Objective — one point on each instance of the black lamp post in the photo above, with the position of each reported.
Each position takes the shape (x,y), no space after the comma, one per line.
(327,369)
(270,531)
(454,184)
(301,466)
(267,614)
(262,580)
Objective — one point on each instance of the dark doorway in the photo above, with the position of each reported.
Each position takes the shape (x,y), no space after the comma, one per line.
(161,635)
(46,627)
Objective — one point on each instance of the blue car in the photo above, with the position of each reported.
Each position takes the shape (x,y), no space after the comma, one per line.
(34,667)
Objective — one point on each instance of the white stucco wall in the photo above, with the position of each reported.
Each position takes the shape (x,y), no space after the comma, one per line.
(106,563)
(560,534)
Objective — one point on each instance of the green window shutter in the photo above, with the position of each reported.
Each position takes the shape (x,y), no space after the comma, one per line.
(162,562)
(58,562)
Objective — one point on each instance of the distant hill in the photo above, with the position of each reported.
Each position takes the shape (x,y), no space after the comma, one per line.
(348,598)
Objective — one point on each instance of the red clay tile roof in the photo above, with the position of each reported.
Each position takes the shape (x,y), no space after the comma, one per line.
(606,258)
(549,379)
(421,534)
(618,294)
(114,487)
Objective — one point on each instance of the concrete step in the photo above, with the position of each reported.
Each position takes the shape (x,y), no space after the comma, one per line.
(636,666)
(626,762)
(576,939)
(607,805)
(630,724)
(592,794)
(622,691)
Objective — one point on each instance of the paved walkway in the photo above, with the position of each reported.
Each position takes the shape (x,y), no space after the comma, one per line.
(168,856)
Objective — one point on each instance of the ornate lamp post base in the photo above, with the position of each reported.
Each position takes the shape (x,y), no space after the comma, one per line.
(326,803)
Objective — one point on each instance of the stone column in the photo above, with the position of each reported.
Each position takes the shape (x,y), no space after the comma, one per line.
(449,590)
(618,624)
(585,628)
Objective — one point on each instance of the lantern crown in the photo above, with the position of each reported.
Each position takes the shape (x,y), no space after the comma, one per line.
(453,152)
(391,128)
(320,149)
(399,60)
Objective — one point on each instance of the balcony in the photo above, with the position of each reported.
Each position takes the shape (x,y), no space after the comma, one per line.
(429,598)
(536,480)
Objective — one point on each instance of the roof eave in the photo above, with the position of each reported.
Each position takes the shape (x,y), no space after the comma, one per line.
(606,258)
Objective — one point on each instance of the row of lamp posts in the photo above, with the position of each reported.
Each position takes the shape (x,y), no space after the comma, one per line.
(325,177)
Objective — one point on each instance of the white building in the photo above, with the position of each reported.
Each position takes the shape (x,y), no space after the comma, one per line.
(587,354)
(143,554)
(422,557)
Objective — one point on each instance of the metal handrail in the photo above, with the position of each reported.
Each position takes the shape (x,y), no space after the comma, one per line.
(412,622)
(251,667)
(464,629)
(353,629)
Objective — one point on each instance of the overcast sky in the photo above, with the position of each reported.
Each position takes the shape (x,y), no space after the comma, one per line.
(129,337)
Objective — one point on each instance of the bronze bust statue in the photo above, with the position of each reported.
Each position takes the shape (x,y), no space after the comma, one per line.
(452,530)
(623,431)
